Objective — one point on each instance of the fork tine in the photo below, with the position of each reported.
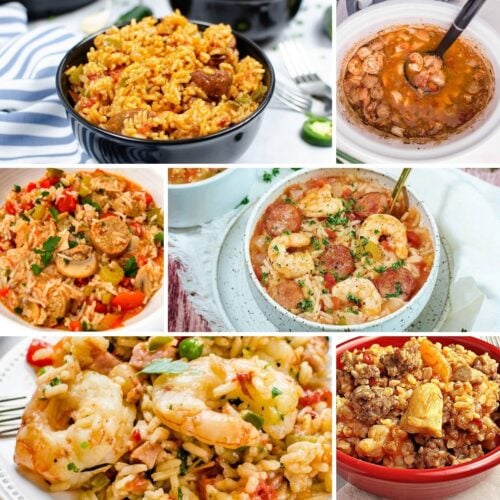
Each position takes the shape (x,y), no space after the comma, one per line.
(7,410)
(294,101)
(297,95)
(3,420)
(7,432)
(17,398)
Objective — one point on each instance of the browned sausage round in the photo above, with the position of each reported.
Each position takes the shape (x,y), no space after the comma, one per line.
(110,235)
(215,85)
(288,294)
(387,283)
(338,260)
(281,217)
(371,203)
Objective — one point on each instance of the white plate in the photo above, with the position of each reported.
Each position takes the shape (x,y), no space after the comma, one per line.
(242,314)
(151,319)
(17,378)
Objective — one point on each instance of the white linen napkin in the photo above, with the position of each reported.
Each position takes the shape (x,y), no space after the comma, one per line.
(467,213)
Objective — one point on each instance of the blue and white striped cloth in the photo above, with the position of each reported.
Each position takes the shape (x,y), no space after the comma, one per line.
(33,124)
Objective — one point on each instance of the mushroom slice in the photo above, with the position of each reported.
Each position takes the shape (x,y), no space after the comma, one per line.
(110,235)
(78,262)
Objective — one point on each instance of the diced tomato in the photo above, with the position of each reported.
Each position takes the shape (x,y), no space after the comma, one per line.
(313,397)
(50,181)
(111,321)
(75,326)
(30,187)
(330,281)
(136,435)
(4,291)
(367,358)
(27,206)
(139,484)
(149,199)
(126,282)
(100,307)
(136,228)
(10,208)
(87,102)
(331,233)
(413,239)
(386,245)
(141,261)
(34,347)
(346,194)
(264,491)
(66,203)
(244,379)
(128,300)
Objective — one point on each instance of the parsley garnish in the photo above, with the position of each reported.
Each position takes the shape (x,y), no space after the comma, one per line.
(275,392)
(354,299)
(55,381)
(397,293)
(47,251)
(380,269)
(54,212)
(17,188)
(73,467)
(159,238)
(165,366)
(289,201)
(315,244)
(276,249)
(265,278)
(398,264)
(306,305)
(72,244)
(337,219)
(36,269)
(130,268)
(89,201)
(245,201)
(183,455)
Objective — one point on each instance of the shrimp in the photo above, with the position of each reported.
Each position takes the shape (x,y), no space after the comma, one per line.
(196,402)
(290,265)
(320,203)
(378,225)
(83,426)
(361,289)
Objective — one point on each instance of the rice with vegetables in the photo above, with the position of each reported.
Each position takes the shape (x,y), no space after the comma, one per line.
(328,251)
(419,406)
(79,250)
(166,79)
(202,417)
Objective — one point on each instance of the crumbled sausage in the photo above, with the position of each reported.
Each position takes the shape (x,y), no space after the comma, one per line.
(402,360)
(468,452)
(345,383)
(432,454)
(371,403)
(486,365)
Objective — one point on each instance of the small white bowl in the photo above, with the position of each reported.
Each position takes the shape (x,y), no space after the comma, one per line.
(151,318)
(199,202)
(358,139)
(283,319)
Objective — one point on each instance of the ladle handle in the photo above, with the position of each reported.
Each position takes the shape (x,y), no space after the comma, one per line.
(465,16)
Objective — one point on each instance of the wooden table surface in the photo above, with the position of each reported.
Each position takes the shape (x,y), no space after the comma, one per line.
(183,318)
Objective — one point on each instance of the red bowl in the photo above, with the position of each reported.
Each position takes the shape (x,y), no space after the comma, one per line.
(412,484)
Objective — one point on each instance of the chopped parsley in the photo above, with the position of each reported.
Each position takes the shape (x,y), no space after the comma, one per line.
(380,269)
(89,201)
(165,366)
(17,188)
(130,267)
(72,244)
(44,194)
(245,201)
(306,305)
(337,219)
(54,212)
(254,419)
(397,293)
(315,243)
(268,176)
(47,251)
(84,445)
(25,217)
(36,269)
(275,392)
(398,264)
(55,381)
(183,455)
(180,495)
(289,201)
(353,310)
(354,299)
(276,249)
(265,278)
(300,283)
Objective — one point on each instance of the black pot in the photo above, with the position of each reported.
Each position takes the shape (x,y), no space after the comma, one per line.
(260,20)
(103,146)
(44,8)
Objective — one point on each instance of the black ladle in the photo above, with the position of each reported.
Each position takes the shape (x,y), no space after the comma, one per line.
(464,17)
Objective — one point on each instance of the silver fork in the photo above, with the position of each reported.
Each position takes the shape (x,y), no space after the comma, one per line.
(303,74)
(493,340)
(11,411)
(295,99)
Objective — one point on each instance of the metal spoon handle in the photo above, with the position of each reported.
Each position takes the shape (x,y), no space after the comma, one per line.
(464,17)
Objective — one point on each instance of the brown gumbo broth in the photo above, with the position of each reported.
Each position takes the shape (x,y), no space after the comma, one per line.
(376,90)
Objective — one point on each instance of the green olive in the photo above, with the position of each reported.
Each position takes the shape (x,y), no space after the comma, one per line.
(191,348)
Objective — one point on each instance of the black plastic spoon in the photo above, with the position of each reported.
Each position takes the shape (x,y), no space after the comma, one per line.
(464,17)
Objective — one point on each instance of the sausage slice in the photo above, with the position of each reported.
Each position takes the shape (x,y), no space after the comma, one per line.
(110,235)
(215,85)
(281,217)
(371,203)
(387,283)
(288,294)
(338,260)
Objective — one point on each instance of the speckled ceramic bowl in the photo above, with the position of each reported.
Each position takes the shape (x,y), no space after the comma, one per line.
(283,319)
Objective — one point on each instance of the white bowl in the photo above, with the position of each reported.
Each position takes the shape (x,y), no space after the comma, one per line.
(283,319)
(199,202)
(359,140)
(151,318)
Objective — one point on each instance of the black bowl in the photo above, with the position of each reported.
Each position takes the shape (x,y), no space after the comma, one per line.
(103,146)
(260,20)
